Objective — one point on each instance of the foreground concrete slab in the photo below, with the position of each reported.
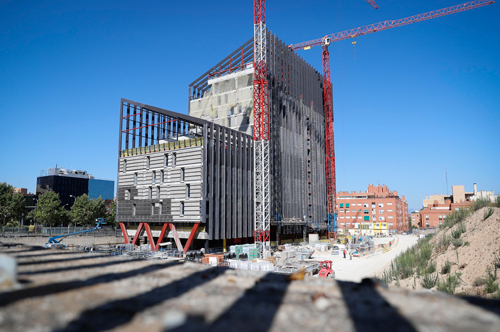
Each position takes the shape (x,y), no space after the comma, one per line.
(69,291)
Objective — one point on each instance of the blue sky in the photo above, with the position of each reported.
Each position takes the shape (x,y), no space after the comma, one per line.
(408,102)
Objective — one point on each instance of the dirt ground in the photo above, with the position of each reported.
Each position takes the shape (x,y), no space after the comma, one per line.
(367,266)
(471,261)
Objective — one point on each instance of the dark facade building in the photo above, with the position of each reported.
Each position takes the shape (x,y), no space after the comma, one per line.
(70,184)
(195,173)
(185,172)
(297,146)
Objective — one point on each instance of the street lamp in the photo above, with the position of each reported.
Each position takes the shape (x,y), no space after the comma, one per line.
(74,198)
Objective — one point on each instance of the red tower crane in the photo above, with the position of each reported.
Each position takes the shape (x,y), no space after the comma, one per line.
(327,85)
(262,223)
(372,3)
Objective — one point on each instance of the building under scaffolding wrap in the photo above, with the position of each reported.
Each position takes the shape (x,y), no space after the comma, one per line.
(223,95)
(182,177)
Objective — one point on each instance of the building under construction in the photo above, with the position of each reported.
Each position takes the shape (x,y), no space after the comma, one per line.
(191,177)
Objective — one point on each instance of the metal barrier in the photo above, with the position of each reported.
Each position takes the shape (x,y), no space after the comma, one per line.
(22,231)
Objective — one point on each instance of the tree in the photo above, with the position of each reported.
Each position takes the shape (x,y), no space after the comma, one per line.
(80,213)
(111,216)
(85,211)
(12,205)
(98,209)
(49,211)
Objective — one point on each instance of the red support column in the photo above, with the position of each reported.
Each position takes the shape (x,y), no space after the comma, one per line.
(162,234)
(176,237)
(191,237)
(137,234)
(124,232)
(150,236)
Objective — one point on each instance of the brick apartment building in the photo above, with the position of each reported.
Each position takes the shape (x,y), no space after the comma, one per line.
(436,207)
(378,208)
(415,218)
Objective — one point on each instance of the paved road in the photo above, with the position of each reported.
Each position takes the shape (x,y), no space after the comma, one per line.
(364,267)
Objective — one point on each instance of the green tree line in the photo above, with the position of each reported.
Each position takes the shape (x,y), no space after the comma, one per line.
(50,212)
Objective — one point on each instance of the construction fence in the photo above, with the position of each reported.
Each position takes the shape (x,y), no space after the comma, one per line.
(38,230)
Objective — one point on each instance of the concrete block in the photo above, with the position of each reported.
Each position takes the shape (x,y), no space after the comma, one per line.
(8,273)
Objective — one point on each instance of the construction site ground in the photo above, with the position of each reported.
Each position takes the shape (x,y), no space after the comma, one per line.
(366,266)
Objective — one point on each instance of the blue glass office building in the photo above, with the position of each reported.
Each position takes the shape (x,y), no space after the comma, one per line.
(70,184)
(101,188)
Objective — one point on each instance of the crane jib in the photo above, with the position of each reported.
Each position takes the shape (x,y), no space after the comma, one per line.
(385,25)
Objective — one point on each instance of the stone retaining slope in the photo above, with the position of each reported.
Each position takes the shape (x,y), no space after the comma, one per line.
(73,291)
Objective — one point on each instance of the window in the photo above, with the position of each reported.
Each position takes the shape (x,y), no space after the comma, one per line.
(347,211)
(341,217)
(373,204)
(381,218)
(158,192)
(152,209)
(183,174)
(440,217)
(341,210)
(136,180)
(346,205)
(348,223)
(391,224)
(150,192)
(341,204)
(348,217)
(384,225)
(426,224)
(166,159)
(188,190)
(182,208)
(162,176)
(377,225)
(366,211)
(127,194)
(381,211)
(148,162)
(161,208)
(359,210)
(365,205)
(456,209)
(380,204)
(389,210)
(389,203)
(374,218)
(427,217)
(390,217)
(154,176)
(174,159)
(125,165)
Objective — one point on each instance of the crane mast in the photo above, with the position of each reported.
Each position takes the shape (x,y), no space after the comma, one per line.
(327,85)
(262,225)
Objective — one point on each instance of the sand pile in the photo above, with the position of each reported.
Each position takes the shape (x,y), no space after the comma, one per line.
(471,260)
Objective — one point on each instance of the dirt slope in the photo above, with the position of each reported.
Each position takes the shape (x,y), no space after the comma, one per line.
(481,243)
